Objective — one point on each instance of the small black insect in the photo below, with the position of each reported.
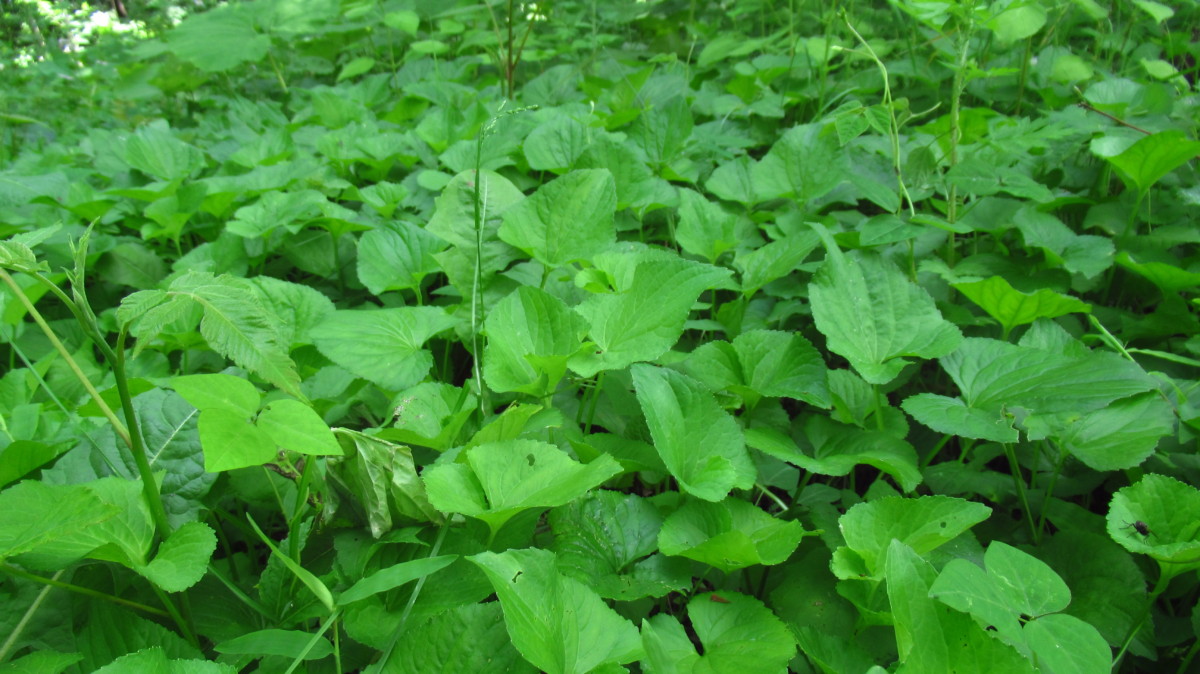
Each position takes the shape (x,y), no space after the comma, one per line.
(1140,527)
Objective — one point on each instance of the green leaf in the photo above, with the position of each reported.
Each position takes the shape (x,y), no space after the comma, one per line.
(454,218)
(1149,159)
(218,391)
(397,258)
(1157,11)
(295,426)
(700,443)
(128,537)
(17,256)
(110,633)
(806,163)
(392,577)
(609,540)
(531,336)
(182,559)
(230,441)
(1169,511)
(305,576)
(292,210)
(729,535)
(557,623)
(291,644)
(218,40)
(382,476)
(554,145)
(1017,22)
(38,514)
(734,181)
(43,662)
(1012,307)
(662,130)
(774,261)
(874,316)
(499,480)
(436,646)
(22,457)
(634,181)
(154,659)
(1064,643)
(404,20)
(430,415)
(645,317)
(704,228)
(382,346)
(996,377)
(569,218)
(1014,584)
(131,264)
(1122,435)
(838,449)
(297,309)
(763,363)
(1168,278)
(236,325)
(955,417)
(738,634)
(157,152)
(358,66)
(924,524)
(932,638)
(170,434)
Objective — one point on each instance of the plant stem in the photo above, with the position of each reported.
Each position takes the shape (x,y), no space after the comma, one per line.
(62,351)
(7,647)
(1159,587)
(79,589)
(1020,484)
(149,484)
(412,600)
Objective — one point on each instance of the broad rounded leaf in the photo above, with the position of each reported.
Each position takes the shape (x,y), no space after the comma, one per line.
(531,335)
(1159,516)
(501,479)
(645,318)
(700,443)
(218,40)
(1152,157)
(382,346)
(729,535)
(1012,307)
(567,219)
(874,316)
(230,441)
(182,560)
(738,634)
(1122,435)
(218,391)
(609,540)
(470,638)
(558,623)
(924,524)
(1067,645)
(295,426)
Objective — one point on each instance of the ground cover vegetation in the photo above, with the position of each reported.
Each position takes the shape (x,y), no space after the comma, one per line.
(577,336)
